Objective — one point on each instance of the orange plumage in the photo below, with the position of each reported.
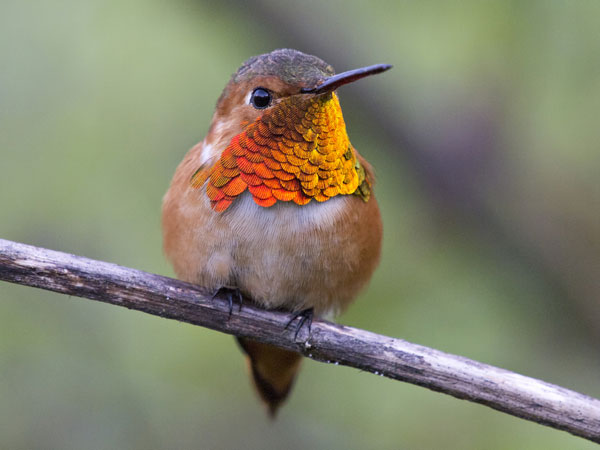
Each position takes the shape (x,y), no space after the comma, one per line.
(297,152)
(240,212)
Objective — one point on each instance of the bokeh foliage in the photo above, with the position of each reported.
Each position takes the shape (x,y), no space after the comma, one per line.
(486,144)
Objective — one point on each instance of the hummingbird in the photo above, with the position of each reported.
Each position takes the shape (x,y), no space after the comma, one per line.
(275,204)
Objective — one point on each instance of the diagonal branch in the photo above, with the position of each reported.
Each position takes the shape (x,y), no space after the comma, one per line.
(460,377)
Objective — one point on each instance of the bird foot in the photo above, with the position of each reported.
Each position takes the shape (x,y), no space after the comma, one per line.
(306,317)
(232,294)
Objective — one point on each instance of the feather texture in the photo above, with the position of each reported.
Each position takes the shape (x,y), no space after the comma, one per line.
(296,152)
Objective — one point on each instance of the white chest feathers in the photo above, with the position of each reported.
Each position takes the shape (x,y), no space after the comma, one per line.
(248,218)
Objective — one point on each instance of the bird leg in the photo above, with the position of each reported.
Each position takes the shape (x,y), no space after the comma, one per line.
(306,316)
(232,294)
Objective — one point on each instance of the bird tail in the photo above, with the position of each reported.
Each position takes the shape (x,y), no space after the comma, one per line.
(273,371)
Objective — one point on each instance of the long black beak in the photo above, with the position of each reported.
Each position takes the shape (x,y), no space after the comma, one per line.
(335,81)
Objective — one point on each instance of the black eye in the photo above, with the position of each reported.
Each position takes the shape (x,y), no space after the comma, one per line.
(260,98)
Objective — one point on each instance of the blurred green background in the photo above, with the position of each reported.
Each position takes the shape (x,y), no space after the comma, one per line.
(485,139)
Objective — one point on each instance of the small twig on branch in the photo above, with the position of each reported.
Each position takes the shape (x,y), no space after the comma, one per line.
(460,377)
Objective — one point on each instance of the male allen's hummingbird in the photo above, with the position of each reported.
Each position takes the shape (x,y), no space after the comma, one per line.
(276,203)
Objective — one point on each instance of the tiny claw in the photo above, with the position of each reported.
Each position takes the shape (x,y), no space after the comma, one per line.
(306,316)
(240,300)
(229,293)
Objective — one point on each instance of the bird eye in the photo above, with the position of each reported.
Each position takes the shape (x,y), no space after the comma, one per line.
(260,98)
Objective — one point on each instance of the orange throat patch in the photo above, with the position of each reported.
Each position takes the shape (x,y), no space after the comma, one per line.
(298,150)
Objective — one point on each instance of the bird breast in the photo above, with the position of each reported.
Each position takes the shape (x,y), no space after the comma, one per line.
(287,256)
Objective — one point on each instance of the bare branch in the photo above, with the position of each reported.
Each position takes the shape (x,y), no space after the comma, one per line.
(460,377)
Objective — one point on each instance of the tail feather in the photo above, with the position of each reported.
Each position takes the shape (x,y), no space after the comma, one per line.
(273,371)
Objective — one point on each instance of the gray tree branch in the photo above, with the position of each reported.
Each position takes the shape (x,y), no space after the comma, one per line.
(460,377)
